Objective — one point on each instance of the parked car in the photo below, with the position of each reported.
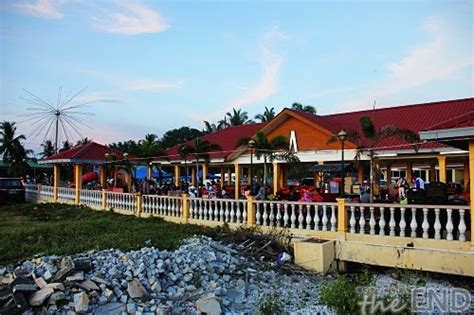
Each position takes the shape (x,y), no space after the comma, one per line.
(11,190)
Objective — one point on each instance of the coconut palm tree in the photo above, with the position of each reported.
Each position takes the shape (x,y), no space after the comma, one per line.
(304,108)
(370,137)
(201,149)
(238,117)
(149,146)
(267,115)
(66,146)
(12,149)
(277,148)
(83,141)
(48,149)
(184,150)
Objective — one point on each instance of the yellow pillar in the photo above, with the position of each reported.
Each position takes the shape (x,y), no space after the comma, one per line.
(342,218)
(466,174)
(360,174)
(149,171)
(193,176)
(275,177)
(56,178)
(222,175)
(229,176)
(237,180)
(409,172)
(186,206)
(204,172)
(102,176)
(442,168)
(251,215)
(104,199)
(471,185)
(78,182)
(138,210)
(177,175)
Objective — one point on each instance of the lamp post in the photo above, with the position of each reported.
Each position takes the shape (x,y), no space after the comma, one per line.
(342,135)
(251,146)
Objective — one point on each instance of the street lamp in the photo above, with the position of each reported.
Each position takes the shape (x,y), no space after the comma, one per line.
(251,146)
(342,135)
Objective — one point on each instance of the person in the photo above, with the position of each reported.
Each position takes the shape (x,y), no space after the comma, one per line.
(401,185)
(306,197)
(261,194)
(365,197)
(419,182)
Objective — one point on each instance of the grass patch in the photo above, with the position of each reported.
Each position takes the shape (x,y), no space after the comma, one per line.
(60,229)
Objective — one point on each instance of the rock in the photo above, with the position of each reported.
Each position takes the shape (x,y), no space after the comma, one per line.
(66,268)
(39,297)
(47,275)
(110,309)
(101,281)
(40,282)
(56,286)
(78,276)
(2,271)
(208,304)
(131,308)
(84,265)
(21,284)
(81,302)
(137,291)
(108,293)
(57,296)
(88,285)
(163,310)
(21,273)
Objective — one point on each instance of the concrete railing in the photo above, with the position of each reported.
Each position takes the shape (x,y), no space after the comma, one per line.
(121,201)
(31,192)
(162,205)
(221,210)
(66,195)
(320,216)
(92,198)
(416,221)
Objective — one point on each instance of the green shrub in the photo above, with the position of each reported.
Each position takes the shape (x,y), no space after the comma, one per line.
(341,295)
(270,304)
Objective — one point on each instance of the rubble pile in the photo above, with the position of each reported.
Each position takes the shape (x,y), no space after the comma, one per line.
(201,276)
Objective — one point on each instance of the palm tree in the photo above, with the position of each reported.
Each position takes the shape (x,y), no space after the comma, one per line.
(371,136)
(277,148)
(210,128)
(149,146)
(66,146)
(201,149)
(238,117)
(12,149)
(83,141)
(48,149)
(267,115)
(184,150)
(304,108)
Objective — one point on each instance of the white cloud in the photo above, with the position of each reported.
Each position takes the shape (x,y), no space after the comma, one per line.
(43,8)
(153,86)
(438,59)
(98,97)
(130,18)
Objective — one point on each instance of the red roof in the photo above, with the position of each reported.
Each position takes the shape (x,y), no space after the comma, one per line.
(85,152)
(462,121)
(416,117)
(226,138)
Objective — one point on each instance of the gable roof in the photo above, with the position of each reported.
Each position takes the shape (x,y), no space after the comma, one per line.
(226,138)
(91,152)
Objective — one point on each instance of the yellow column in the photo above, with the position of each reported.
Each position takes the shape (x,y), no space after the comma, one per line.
(138,211)
(251,215)
(360,173)
(471,185)
(78,182)
(409,172)
(229,176)
(177,175)
(204,172)
(222,175)
(104,199)
(186,206)
(193,176)
(149,171)
(442,168)
(342,218)
(275,177)
(237,180)
(56,178)
(102,176)
(466,174)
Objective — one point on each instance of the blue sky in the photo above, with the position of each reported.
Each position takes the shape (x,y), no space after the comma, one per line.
(156,65)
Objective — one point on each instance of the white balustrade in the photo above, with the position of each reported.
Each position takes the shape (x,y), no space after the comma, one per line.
(46,192)
(221,210)
(162,205)
(424,221)
(121,201)
(66,195)
(31,192)
(91,198)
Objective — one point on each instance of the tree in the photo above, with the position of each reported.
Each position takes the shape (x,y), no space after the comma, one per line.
(210,128)
(149,147)
(304,108)
(267,115)
(237,117)
(179,135)
(12,149)
(201,149)
(277,148)
(48,149)
(184,150)
(83,141)
(370,137)
(66,146)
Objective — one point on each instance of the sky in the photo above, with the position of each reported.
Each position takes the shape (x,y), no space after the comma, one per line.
(151,66)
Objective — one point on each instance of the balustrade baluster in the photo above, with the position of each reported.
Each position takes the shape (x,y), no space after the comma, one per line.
(221,211)
(462,226)
(293,216)
(372,221)
(227,212)
(244,214)
(285,215)
(352,221)
(413,223)
(258,215)
(425,224)
(437,225)
(325,218)
(232,211)
(333,218)
(278,215)
(362,221)
(449,225)
(402,223)
(309,219)
(265,213)
(392,223)
(301,208)
(382,221)
(272,214)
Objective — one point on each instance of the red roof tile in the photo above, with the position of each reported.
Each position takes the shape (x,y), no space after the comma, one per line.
(225,138)
(465,120)
(86,152)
